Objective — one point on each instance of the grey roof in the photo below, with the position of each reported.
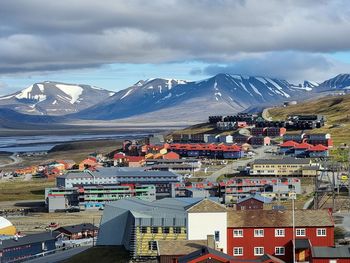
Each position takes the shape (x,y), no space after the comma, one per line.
(331,252)
(302,243)
(258,197)
(29,239)
(283,161)
(172,160)
(118,172)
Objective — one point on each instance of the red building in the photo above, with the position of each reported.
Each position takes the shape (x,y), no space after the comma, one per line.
(331,254)
(252,233)
(255,202)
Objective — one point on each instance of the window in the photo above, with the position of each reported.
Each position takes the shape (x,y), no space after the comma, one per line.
(238,233)
(152,245)
(332,261)
(258,251)
(144,229)
(217,236)
(321,232)
(238,251)
(166,230)
(258,232)
(154,230)
(279,251)
(177,230)
(300,232)
(279,232)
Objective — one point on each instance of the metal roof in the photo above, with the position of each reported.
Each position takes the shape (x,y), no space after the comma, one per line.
(257,197)
(29,239)
(118,172)
(331,252)
(283,161)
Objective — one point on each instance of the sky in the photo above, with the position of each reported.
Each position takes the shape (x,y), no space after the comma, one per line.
(113,43)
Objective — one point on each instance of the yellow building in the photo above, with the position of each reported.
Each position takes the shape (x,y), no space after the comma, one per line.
(284,167)
(6,227)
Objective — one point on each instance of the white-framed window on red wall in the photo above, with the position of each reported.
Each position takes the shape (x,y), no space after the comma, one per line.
(238,251)
(321,232)
(238,233)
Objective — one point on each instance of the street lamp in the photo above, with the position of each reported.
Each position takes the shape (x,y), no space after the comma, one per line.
(293,196)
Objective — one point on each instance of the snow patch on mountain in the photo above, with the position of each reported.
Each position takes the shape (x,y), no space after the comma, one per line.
(71,90)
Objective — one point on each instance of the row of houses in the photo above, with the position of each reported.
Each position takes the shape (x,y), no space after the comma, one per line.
(220,151)
(240,117)
(303,149)
(313,139)
(234,189)
(268,131)
(172,229)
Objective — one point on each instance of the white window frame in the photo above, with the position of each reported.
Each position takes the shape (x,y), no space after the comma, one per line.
(259,232)
(238,233)
(318,230)
(332,261)
(278,251)
(258,251)
(277,234)
(300,232)
(239,251)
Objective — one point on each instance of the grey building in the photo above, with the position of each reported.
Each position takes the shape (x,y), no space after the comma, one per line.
(122,175)
(138,224)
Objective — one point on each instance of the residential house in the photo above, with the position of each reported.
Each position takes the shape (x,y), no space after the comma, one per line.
(253,233)
(281,167)
(73,232)
(89,162)
(259,140)
(253,202)
(330,254)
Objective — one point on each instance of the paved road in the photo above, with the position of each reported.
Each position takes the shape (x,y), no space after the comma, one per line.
(59,256)
(260,153)
(15,160)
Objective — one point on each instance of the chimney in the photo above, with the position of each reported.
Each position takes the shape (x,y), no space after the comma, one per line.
(211,242)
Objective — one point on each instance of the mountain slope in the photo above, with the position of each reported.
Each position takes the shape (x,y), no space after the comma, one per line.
(339,82)
(54,98)
(335,108)
(221,94)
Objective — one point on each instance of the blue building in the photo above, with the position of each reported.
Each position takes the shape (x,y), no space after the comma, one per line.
(22,248)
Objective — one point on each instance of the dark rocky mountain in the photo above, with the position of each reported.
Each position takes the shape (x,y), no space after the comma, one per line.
(179,100)
(54,98)
(339,82)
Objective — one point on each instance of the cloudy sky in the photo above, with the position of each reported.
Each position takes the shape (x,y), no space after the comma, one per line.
(112,43)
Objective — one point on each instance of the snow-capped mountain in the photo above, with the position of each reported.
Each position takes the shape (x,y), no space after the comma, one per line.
(54,98)
(341,81)
(178,99)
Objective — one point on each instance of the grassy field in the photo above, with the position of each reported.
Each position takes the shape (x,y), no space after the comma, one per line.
(198,128)
(17,190)
(101,254)
(335,108)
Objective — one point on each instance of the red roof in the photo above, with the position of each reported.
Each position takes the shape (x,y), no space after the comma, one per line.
(289,144)
(119,156)
(318,148)
(207,147)
(134,158)
(303,145)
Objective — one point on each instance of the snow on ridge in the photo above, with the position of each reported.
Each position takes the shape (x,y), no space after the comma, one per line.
(25,94)
(71,90)
(96,88)
(111,94)
(41,87)
(54,102)
(7,97)
(126,94)
(255,89)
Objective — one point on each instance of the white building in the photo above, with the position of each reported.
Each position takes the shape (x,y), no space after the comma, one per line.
(207,218)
